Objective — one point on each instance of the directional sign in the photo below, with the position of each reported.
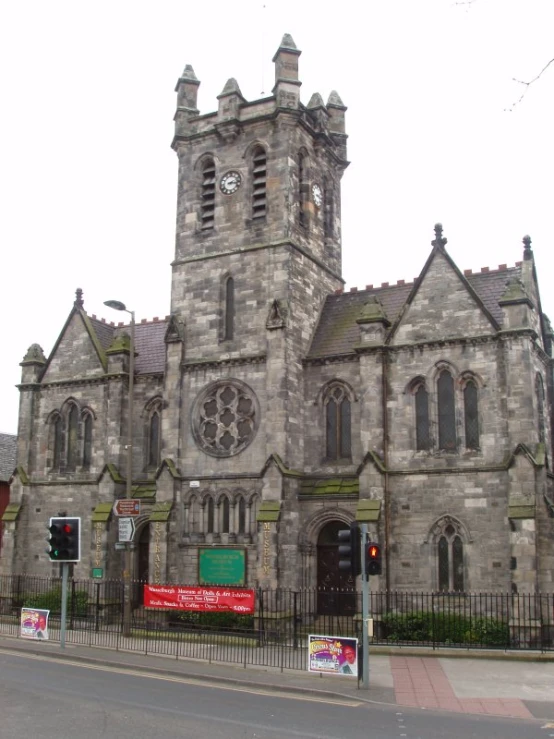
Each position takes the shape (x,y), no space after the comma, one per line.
(126,529)
(127,507)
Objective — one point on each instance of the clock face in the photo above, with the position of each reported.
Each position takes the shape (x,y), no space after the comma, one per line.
(317,194)
(230,182)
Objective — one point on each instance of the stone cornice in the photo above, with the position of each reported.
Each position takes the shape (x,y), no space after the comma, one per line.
(203,364)
(437,343)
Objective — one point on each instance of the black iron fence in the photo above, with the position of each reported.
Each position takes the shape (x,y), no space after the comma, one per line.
(276,633)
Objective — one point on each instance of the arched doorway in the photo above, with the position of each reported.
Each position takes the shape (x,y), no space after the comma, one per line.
(336,590)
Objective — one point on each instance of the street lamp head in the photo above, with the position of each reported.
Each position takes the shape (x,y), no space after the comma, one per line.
(116,304)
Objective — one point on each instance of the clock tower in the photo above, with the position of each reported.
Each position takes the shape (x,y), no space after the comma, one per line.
(258,237)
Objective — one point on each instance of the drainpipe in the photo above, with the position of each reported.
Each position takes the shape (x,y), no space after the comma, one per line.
(386,492)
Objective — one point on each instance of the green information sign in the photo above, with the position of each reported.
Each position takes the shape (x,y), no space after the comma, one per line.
(97,572)
(221,566)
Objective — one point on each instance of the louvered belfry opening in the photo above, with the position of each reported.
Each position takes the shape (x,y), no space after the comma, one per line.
(208,194)
(259,191)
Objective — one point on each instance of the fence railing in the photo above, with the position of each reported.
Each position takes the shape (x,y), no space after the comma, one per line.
(276,633)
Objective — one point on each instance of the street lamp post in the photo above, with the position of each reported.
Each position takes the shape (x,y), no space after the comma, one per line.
(117,305)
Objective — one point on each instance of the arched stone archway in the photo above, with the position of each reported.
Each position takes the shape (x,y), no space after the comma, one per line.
(336,590)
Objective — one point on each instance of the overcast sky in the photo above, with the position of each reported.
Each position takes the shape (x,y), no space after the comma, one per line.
(88,179)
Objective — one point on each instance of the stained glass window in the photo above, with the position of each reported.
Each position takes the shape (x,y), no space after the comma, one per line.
(422,418)
(447,420)
(471,415)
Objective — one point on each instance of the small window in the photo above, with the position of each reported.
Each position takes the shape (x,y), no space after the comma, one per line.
(301,189)
(242,516)
(471,415)
(259,183)
(540,408)
(154,440)
(210,516)
(423,441)
(58,442)
(208,195)
(229,319)
(450,552)
(338,424)
(87,441)
(72,437)
(329,210)
(447,419)
(225,516)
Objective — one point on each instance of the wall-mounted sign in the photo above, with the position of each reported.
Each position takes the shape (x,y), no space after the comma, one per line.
(219,566)
(185,598)
(126,507)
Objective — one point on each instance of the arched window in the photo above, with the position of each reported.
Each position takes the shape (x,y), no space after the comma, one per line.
(72,437)
(259,183)
(338,424)
(225,515)
(57,430)
(87,441)
(242,516)
(447,418)
(471,413)
(154,440)
(193,516)
(423,439)
(301,189)
(210,515)
(540,407)
(229,309)
(450,553)
(208,195)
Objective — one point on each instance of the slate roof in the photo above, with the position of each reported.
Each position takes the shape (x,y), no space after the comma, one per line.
(8,456)
(104,331)
(150,347)
(338,333)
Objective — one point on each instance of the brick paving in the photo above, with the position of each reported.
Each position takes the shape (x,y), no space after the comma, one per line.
(420,681)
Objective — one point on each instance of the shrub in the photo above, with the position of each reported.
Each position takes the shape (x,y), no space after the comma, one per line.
(225,620)
(446,628)
(77,602)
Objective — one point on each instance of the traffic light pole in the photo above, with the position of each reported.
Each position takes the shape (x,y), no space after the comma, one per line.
(365,610)
(65,573)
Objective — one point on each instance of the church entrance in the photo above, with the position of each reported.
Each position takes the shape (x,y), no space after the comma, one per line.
(142,561)
(336,590)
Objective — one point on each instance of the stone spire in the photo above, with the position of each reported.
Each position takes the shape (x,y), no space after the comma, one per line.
(287,84)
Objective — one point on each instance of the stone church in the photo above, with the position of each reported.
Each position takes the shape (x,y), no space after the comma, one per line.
(270,408)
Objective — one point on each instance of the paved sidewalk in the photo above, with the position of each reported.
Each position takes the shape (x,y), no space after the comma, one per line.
(522,689)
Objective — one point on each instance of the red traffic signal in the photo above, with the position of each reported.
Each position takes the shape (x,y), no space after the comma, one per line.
(64,539)
(373,559)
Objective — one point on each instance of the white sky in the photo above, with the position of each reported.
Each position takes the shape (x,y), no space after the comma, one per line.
(88,179)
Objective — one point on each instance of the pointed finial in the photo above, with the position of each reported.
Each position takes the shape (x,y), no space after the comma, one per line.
(439,241)
(79,302)
(527,251)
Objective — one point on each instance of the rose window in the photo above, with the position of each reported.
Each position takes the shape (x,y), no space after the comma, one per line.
(225,418)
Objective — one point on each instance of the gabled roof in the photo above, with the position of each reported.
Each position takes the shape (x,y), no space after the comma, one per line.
(8,456)
(338,333)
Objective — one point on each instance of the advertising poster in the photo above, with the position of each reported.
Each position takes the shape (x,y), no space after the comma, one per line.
(187,598)
(333,655)
(34,623)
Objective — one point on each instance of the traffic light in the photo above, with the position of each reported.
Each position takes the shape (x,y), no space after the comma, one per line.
(64,539)
(350,550)
(373,564)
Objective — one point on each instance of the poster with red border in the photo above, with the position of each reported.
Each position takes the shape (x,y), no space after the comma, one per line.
(187,598)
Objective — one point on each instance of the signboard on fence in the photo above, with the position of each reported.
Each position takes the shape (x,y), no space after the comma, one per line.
(34,623)
(333,655)
(218,566)
(187,598)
